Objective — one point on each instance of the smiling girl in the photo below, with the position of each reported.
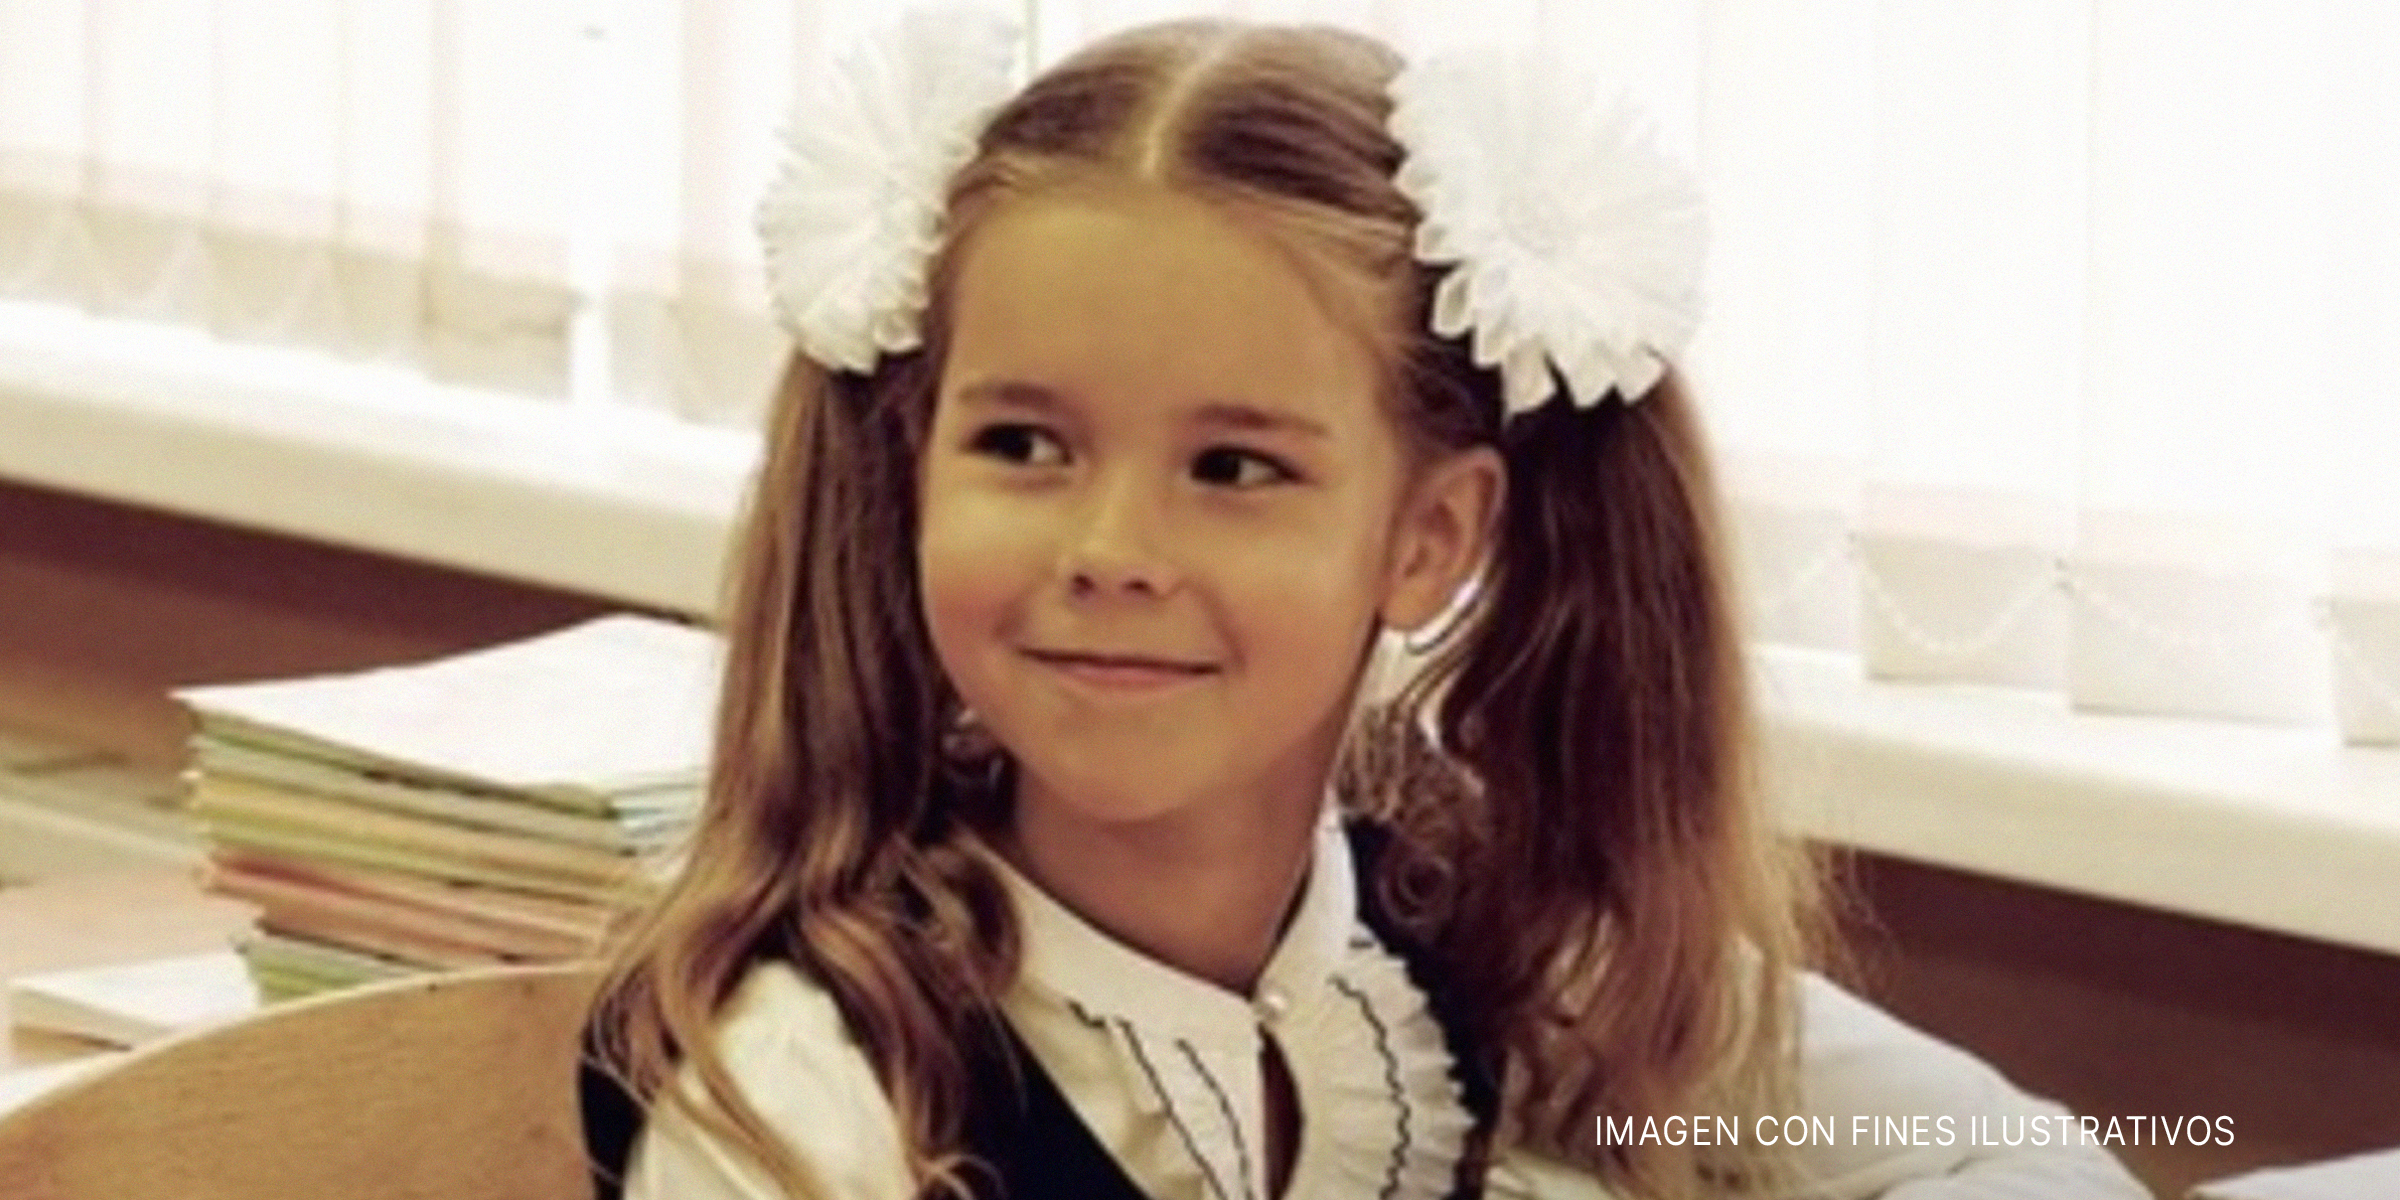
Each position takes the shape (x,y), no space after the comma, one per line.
(1057,846)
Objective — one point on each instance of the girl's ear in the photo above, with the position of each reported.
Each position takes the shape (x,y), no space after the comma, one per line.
(1440,535)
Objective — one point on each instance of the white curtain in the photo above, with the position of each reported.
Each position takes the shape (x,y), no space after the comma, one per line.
(2052,343)
(382,180)
(483,191)
(2057,343)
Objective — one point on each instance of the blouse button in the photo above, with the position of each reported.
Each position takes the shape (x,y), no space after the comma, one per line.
(1271,1004)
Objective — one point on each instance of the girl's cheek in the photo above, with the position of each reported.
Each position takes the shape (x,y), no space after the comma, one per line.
(1289,570)
(973,545)
(1305,538)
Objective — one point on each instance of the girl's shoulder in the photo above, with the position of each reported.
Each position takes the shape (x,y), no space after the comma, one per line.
(792,1052)
(776,1008)
(794,1060)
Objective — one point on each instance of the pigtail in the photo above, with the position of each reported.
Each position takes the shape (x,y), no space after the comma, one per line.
(1621,923)
(828,839)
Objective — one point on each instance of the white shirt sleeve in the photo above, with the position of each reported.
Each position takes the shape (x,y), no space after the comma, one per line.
(1871,1078)
(795,1061)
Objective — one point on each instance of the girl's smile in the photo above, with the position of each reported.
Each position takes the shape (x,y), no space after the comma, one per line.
(1122,673)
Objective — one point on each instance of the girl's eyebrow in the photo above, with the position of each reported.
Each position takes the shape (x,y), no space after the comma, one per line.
(1011,393)
(1219,414)
(1251,418)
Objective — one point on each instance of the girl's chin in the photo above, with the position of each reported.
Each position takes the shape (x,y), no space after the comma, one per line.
(1133,792)
(1111,805)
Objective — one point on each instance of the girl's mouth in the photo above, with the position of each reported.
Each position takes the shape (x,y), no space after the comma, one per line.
(1121,672)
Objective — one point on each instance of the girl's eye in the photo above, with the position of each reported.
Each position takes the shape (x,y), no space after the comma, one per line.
(1027,445)
(1227,466)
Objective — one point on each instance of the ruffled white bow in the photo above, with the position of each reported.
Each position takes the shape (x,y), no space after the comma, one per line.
(1571,242)
(853,217)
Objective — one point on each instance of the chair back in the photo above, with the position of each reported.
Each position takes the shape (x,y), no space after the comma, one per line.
(457,1086)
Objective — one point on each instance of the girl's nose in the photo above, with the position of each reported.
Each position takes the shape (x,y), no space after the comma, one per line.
(1116,544)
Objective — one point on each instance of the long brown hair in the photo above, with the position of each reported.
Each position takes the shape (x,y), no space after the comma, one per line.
(1567,776)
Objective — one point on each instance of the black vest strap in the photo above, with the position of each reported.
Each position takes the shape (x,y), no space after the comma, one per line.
(1019,1127)
(611,1120)
(1023,1130)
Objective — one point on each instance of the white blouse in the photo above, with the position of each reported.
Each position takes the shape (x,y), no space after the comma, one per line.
(1164,1068)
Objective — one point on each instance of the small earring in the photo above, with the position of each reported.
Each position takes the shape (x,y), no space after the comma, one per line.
(966,740)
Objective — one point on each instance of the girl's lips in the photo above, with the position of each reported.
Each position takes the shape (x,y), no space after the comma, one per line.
(1121,672)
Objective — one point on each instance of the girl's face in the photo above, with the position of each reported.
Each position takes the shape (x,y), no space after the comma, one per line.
(1160,503)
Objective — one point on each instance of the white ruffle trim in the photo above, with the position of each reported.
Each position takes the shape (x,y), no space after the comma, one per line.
(1384,1116)
(1392,1121)
(1209,1114)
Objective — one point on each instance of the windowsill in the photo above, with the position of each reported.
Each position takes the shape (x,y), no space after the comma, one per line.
(2274,828)
(2271,827)
(617,504)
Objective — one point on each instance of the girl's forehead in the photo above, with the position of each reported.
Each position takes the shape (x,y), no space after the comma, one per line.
(1135,292)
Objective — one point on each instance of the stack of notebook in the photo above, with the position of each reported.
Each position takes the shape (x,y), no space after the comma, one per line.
(506,805)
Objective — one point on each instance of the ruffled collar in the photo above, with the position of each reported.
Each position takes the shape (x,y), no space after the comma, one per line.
(1073,961)
(1382,1113)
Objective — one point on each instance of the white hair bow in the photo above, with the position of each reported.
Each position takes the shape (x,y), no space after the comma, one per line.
(852,219)
(1572,243)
